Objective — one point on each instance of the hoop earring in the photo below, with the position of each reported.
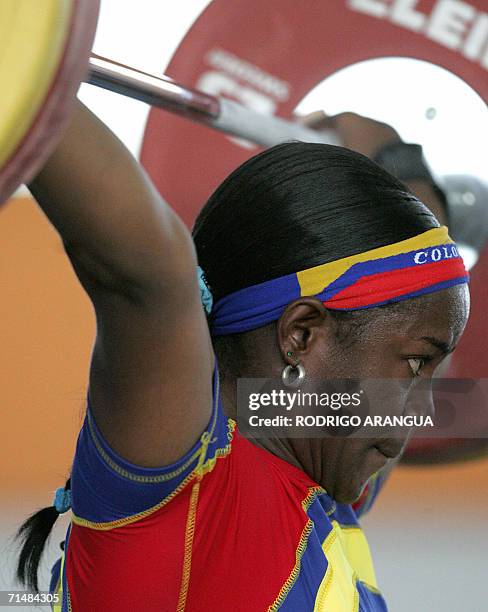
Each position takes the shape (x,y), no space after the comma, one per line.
(299,378)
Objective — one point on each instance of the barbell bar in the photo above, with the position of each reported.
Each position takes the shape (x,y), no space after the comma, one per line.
(218,113)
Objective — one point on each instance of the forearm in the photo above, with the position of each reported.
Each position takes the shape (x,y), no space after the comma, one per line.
(105,208)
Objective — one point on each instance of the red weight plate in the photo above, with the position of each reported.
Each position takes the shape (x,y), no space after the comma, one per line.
(268,56)
(54,113)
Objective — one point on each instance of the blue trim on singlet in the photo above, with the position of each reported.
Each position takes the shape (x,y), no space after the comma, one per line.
(64,606)
(313,566)
(345,516)
(105,487)
(313,563)
(370,600)
(55,573)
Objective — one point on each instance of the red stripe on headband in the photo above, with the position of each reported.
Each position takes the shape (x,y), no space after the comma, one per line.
(384,286)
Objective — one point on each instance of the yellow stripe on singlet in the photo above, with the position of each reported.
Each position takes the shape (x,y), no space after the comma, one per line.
(57,607)
(356,549)
(349,559)
(337,590)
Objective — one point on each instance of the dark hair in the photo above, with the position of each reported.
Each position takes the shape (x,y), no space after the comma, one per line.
(298,205)
(33,535)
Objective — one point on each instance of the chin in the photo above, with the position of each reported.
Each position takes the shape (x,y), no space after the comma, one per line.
(347,491)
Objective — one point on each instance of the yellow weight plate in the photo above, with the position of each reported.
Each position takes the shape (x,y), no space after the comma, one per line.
(33,36)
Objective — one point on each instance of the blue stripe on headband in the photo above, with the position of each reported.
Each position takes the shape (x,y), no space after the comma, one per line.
(253,307)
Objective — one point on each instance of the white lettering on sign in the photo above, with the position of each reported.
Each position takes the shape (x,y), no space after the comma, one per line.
(243,82)
(454,24)
(377,8)
(217,84)
(476,41)
(244,71)
(449,22)
(403,13)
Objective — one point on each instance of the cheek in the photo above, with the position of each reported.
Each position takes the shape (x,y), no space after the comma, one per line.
(381,362)
(334,362)
(357,358)
(364,365)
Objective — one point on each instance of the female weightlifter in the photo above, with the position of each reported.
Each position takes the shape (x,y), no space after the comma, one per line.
(309,259)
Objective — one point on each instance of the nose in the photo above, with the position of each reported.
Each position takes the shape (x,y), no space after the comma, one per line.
(420,401)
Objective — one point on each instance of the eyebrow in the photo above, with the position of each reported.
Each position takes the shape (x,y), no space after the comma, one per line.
(442,346)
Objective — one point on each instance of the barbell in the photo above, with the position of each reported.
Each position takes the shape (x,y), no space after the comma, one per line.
(243,81)
(47,48)
(43,76)
(219,113)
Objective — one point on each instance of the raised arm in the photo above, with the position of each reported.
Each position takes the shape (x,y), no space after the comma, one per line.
(151,372)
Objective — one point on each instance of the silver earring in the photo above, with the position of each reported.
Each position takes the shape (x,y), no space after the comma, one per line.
(297,380)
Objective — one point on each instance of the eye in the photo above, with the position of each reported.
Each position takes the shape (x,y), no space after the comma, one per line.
(416,364)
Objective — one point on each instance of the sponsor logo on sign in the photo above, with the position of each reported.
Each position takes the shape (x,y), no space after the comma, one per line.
(454,24)
(234,78)
(244,71)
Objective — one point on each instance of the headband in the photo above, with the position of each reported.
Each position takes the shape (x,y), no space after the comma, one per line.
(423,264)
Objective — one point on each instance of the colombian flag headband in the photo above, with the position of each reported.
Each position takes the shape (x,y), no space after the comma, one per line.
(423,264)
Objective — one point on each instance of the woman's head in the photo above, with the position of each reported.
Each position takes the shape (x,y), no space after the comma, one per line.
(295,207)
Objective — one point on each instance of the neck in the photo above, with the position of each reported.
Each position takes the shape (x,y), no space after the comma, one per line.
(280,447)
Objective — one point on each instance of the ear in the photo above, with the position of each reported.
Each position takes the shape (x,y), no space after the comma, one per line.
(303,323)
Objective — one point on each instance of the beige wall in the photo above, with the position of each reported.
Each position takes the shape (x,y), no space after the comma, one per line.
(46,331)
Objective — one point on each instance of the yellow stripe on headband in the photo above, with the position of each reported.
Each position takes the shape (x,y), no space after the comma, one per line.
(314,280)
